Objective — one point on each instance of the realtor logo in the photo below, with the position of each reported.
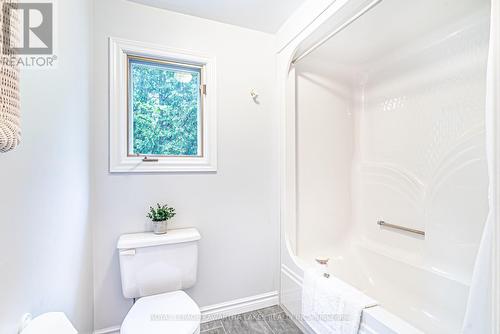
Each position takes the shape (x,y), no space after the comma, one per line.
(36,28)
(29,34)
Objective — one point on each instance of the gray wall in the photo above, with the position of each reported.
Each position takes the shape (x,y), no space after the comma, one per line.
(235,209)
(45,235)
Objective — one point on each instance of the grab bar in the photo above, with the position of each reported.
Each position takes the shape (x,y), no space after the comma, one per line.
(402,228)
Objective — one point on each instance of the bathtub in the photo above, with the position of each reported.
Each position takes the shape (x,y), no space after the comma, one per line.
(386,122)
(400,287)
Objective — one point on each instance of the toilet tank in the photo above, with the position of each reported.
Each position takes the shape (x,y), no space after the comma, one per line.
(151,264)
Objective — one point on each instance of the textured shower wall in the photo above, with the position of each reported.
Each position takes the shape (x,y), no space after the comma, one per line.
(422,161)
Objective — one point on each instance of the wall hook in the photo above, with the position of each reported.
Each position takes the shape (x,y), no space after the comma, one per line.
(254,95)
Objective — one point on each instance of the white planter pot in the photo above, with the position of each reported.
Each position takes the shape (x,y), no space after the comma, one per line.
(160,227)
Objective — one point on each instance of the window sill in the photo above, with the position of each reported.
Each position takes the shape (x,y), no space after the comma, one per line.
(184,164)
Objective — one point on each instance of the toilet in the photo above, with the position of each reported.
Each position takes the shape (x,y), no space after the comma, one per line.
(155,269)
(51,322)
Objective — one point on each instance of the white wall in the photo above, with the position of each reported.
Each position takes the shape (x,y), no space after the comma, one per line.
(45,235)
(235,209)
(325,137)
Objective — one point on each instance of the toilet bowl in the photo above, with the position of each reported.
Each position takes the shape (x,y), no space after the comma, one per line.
(52,322)
(155,269)
(171,312)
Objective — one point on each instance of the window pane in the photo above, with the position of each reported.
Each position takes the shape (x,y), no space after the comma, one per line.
(164,109)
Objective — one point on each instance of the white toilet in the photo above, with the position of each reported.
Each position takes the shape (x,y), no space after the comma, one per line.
(155,269)
(52,322)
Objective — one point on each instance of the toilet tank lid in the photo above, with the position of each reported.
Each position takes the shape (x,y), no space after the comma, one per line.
(149,239)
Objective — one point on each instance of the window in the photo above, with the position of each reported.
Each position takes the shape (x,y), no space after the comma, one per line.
(162,109)
(165,108)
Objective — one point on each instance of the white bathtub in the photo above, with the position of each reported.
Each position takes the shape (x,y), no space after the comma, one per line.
(409,296)
(386,122)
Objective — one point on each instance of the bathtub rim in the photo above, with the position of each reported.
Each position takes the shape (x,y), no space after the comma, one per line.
(374,319)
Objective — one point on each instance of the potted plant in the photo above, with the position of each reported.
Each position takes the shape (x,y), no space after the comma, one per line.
(160,215)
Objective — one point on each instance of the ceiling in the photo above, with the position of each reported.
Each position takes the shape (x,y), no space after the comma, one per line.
(263,15)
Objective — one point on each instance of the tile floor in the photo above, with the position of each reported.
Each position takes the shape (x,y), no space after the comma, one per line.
(271,320)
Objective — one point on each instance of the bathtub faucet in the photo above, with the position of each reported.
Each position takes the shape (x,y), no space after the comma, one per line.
(324,262)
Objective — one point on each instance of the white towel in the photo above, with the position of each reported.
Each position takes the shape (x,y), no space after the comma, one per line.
(331,306)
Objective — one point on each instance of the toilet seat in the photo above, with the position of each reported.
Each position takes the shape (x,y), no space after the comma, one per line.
(167,313)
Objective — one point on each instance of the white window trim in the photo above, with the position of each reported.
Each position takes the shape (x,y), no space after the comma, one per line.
(119,161)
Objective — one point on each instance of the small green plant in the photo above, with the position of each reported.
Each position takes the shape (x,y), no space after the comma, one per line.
(161,213)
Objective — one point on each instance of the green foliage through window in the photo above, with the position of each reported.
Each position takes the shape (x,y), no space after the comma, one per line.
(164,108)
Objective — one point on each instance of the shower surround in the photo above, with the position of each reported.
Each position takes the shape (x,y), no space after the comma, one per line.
(386,122)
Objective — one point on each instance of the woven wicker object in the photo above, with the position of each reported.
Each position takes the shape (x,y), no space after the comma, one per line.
(10,130)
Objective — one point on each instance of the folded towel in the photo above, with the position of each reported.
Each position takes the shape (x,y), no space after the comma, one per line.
(331,306)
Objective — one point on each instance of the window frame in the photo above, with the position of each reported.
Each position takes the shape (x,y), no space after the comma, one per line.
(120,160)
(156,61)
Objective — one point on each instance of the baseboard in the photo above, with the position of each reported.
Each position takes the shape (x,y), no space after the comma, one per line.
(222,310)
(238,306)
(109,330)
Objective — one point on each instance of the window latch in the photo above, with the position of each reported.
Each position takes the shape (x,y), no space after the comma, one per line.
(146,159)
(203,89)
